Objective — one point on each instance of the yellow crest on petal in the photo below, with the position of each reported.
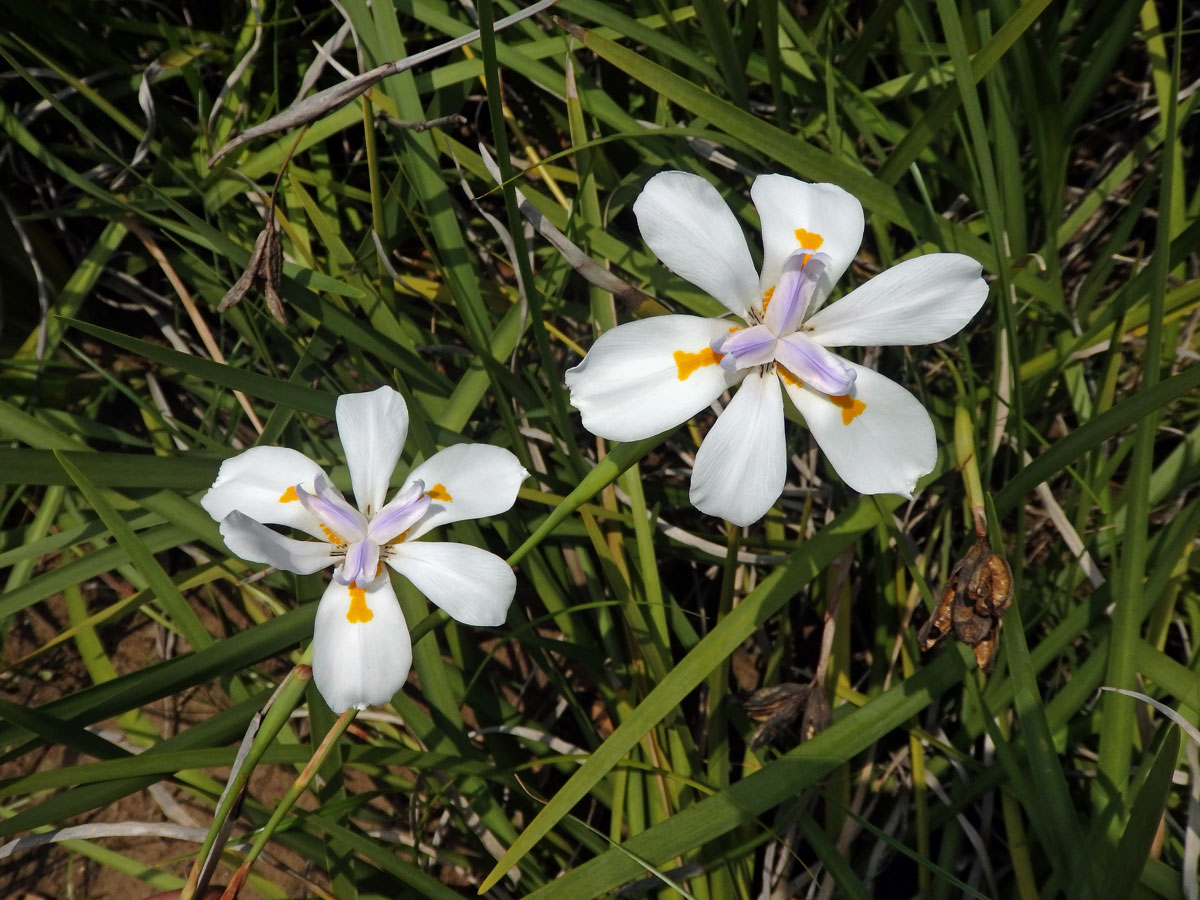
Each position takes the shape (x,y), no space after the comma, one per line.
(809,240)
(438,492)
(851,408)
(687,363)
(788,376)
(359,611)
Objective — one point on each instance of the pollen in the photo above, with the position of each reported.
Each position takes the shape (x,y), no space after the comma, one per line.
(788,376)
(687,363)
(851,408)
(438,492)
(359,611)
(289,496)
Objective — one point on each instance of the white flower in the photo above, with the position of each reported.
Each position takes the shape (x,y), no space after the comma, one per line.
(646,376)
(361,646)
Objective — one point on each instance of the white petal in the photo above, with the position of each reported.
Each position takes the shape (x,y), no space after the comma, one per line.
(884,448)
(467,481)
(257,483)
(786,206)
(473,586)
(255,542)
(644,377)
(372,427)
(919,301)
(361,647)
(742,464)
(693,232)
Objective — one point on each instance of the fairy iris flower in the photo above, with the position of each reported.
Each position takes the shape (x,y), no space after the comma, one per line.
(646,376)
(361,647)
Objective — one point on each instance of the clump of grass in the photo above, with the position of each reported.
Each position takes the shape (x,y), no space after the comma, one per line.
(600,741)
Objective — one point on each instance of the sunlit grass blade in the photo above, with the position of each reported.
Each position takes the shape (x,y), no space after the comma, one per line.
(716,815)
(164,588)
(767,599)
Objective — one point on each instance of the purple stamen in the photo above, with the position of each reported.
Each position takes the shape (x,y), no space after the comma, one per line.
(361,564)
(746,347)
(332,511)
(404,511)
(795,290)
(814,365)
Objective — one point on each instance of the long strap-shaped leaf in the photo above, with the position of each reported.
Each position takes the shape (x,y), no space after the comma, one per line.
(791,151)
(109,469)
(294,396)
(139,554)
(605,472)
(1087,436)
(219,729)
(770,596)
(334,98)
(741,802)
(762,603)
(239,650)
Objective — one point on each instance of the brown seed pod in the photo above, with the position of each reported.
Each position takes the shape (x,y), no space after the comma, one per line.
(977,593)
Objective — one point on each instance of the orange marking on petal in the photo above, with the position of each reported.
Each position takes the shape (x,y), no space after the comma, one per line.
(767,297)
(687,363)
(788,375)
(438,492)
(851,409)
(359,611)
(809,240)
(334,537)
(289,496)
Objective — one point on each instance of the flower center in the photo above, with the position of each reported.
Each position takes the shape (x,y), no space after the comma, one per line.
(777,339)
(364,542)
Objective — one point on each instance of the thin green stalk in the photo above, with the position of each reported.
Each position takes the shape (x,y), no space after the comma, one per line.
(43,518)
(643,529)
(285,804)
(716,743)
(386,288)
(516,225)
(1018,847)
(1115,752)
(262,733)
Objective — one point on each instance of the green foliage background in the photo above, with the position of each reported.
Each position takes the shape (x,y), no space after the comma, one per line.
(598,743)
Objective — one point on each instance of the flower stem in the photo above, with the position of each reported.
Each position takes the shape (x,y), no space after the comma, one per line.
(968,464)
(289,800)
